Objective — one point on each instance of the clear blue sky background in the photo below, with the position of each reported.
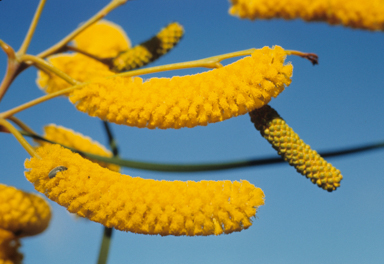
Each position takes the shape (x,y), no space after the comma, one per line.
(337,104)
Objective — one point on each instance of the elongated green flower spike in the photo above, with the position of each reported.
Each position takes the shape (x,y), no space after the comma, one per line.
(149,50)
(298,154)
(139,205)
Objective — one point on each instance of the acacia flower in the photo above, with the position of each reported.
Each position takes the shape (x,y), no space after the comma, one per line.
(22,213)
(103,39)
(106,40)
(79,67)
(298,154)
(9,245)
(188,101)
(149,50)
(139,205)
(353,13)
(72,139)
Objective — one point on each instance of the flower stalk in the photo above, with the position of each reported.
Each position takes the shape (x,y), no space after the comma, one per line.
(18,137)
(12,67)
(32,27)
(105,244)
(184,168)
(37,101)
(99,15)
(107,234)
(45,66)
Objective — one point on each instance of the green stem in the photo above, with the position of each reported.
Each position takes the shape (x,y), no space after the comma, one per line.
(111,139)
(210,62)
(104,248)
(39,100)
(102,13)
(18,137)
(211,166)
(21,124)
(44,65)
(32,27)
(107,236)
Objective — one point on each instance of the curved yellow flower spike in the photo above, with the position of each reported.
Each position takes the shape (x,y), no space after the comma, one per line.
(188,101)
(9,245)
(298,154)
(142,205)
(70,138)
(79,67)
(352,13)
(22,213)
(149,50)
(103,39)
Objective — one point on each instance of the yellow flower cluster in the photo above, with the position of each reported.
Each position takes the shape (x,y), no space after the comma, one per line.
(107,40)
(142,205)
(79,67)
(22,213)
(192,100)
(298,154)
(9,245)
(149,50)
(103,39)
(70,138)
(352,13)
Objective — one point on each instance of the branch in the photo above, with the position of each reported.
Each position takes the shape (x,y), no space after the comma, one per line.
(31,30)
(210,166)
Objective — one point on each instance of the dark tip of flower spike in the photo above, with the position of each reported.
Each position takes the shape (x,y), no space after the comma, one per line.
(53,172)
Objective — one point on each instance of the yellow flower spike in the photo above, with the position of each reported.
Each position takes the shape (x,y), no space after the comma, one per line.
(298,154)
(9,245)
(22,213)
(78,66)
(353,13)
(141,205)
(149,50)
(188,101)
(70,138)
(103,39)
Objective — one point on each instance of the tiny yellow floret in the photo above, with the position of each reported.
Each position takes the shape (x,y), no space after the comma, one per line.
(352,13)
(293,149)
(22,213)
(188,101)
(104,39)
(72,139)
(142,205)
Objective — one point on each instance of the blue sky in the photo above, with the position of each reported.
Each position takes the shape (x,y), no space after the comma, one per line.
(336,104)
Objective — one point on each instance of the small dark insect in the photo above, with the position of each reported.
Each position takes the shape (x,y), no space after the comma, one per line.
(53,172)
